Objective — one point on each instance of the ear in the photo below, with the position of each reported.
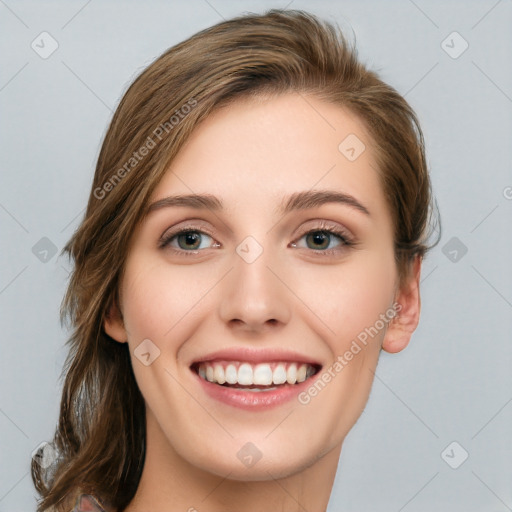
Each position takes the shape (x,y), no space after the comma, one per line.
(401,327)
(114,325)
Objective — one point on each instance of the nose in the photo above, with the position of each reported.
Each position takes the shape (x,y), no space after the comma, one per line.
(254,298)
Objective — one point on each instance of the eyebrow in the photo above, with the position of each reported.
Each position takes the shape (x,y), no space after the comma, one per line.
(297,201)
(314,198)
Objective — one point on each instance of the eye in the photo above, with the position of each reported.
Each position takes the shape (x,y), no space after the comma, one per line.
(320,239)
(187,240)
(324,240)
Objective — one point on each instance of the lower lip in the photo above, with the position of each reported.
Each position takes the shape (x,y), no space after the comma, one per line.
(253,400)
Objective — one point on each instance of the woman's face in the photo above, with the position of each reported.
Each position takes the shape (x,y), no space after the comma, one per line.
(284,292)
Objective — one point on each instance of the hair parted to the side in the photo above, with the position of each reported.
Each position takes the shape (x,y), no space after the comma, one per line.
(100,438)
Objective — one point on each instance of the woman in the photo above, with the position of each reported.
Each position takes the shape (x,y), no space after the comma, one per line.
(253,240)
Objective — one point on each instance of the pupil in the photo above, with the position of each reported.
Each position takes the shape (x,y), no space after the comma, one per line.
(320,238)
(190,239)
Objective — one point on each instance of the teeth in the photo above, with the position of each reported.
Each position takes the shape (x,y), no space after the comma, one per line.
(291,374)
(218,374)
(301,373)
(258,390)
(245,374)
(262,374)
(231,374)
(279,375)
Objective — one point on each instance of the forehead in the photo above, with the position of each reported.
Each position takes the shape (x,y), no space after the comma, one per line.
(255,151)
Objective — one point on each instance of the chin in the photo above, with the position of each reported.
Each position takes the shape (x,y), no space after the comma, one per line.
(258,460)
(276,466)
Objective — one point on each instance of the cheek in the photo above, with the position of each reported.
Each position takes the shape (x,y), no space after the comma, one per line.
(158,298)
(163,304)
(349,297)
(349,301)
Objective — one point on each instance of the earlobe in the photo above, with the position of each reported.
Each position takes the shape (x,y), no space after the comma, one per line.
(400,329)
(114,325)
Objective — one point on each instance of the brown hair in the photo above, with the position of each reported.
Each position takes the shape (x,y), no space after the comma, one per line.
(100,438)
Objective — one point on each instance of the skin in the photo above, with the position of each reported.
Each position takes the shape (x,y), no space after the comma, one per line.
(251,155)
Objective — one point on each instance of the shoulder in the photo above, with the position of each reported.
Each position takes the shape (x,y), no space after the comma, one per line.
(89,503)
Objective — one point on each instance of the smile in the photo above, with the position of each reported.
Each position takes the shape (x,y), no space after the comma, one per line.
(255,377)
(254,386)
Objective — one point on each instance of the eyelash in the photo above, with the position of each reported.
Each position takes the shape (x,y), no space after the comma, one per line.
(346,240)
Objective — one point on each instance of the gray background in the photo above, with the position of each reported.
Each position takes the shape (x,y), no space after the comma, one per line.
(453,383)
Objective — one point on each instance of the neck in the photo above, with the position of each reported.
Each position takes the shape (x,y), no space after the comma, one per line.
(169,483)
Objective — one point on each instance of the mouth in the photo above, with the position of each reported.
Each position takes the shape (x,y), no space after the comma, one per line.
(254,380)
(254,385)
(260,377)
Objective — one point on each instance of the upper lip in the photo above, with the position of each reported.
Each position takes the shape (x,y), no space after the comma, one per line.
(256,356)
